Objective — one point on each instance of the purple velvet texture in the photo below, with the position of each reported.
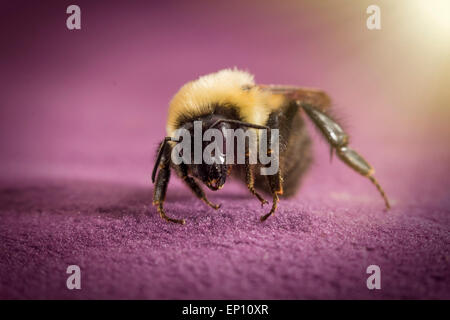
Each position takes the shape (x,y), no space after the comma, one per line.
(82,112)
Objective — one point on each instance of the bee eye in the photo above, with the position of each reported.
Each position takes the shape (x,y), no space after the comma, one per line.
(221,158)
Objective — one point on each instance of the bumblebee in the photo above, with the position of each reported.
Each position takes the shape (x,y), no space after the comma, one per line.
(230,99)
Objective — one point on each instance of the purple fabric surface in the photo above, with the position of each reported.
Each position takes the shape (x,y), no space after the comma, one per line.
(82,112)
(316,246)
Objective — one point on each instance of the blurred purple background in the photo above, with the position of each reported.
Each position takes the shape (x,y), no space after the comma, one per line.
(73,100)
(90,105)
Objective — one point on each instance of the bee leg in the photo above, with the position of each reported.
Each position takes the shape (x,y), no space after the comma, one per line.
(159,195)
(359,164)
(194,186)
(161,150)
(276,188)
(198,191)
(338,140)
(249,181)
(275,181)
(250,177)
(162,181)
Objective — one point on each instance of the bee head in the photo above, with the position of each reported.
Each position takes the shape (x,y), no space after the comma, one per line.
(212,175)
(212,170)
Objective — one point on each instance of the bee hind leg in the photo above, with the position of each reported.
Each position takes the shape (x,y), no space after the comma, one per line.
(338,140)
(359,164)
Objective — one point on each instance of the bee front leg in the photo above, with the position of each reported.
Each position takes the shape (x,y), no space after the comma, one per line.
(159,193)
(198,191)
(194,186)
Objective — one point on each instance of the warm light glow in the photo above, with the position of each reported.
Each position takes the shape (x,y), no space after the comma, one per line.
(436,14)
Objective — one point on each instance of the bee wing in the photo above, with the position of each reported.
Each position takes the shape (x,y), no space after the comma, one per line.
(312,96)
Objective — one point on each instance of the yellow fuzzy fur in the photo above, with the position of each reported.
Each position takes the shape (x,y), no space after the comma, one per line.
(224,88)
